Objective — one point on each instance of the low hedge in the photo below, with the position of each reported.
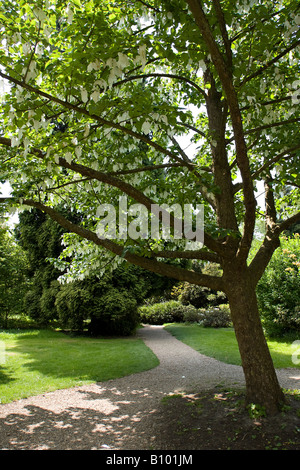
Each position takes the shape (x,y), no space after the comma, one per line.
(174,312)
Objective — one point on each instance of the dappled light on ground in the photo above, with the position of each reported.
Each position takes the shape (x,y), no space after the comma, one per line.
(126,413)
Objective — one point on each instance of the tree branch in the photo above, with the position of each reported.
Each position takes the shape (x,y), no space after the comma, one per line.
(149,6)
(270,63)
(270,244)
(189,254)
(209,242)
(274,124)
(236,119)
(222,24)
(97,118)
(162,75)
(150,264)
(288,222)
(275,159)
(270,203)
(147,168)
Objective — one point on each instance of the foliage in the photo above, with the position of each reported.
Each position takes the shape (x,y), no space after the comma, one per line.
(200,297)
(13,280)
(279,290)
(98,101)
(175,311)
(40,238)
(114,313)
(215,317)
(162,312)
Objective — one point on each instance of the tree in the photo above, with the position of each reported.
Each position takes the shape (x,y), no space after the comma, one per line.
(101,97)
(40,238)
(13,281)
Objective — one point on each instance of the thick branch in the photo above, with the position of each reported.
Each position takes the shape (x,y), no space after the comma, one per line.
(269,245)
(270,203)
(189,254)
(236,119)
(153,265)
(222,24)
(288,222)
(263,256)
(127,188)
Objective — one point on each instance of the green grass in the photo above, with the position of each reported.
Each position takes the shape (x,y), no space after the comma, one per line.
(37,361)
(221,344)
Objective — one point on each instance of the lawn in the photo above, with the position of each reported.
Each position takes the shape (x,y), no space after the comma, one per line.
(221,344)
(38,361)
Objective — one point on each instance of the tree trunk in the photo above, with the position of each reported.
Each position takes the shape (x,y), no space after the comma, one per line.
(262,386)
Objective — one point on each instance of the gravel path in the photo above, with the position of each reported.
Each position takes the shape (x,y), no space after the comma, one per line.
(118,414)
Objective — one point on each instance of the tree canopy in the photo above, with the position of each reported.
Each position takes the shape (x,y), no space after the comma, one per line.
(100,92)
(104,99)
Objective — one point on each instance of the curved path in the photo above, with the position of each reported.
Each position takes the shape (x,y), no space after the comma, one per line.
(118,414)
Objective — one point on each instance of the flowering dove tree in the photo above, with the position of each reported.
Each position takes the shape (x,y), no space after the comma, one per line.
(159,102)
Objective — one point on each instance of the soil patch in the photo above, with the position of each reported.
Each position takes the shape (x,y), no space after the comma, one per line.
(218,420)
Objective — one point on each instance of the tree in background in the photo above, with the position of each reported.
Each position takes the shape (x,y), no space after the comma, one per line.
(13,280)
(115,75)
(40,238)
(278,290)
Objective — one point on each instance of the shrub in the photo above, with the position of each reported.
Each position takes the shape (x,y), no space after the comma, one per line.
(189,313)
(215,317)
(114,313)
(198,296)
(278,291)
(48,309)
(71,303)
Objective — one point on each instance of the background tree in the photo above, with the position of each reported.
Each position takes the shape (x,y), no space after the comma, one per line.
(113,75)
(40,238)
(278,290)
(13,279)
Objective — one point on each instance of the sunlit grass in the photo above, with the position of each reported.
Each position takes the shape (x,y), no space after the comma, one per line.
(221,344)
(38,361)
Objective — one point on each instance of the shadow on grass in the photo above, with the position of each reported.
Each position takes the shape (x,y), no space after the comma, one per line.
(5,377)
(45,360)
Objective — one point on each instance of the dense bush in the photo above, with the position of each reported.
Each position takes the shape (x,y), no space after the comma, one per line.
(173,311)
(162,312)
(114,313)
(278,291)
(215,317)
(71,304)
(199,296)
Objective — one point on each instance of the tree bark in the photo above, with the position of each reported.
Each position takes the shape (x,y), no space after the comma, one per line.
(262,386)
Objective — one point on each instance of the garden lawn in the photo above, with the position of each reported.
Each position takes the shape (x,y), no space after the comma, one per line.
(38,361)
(221,344)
